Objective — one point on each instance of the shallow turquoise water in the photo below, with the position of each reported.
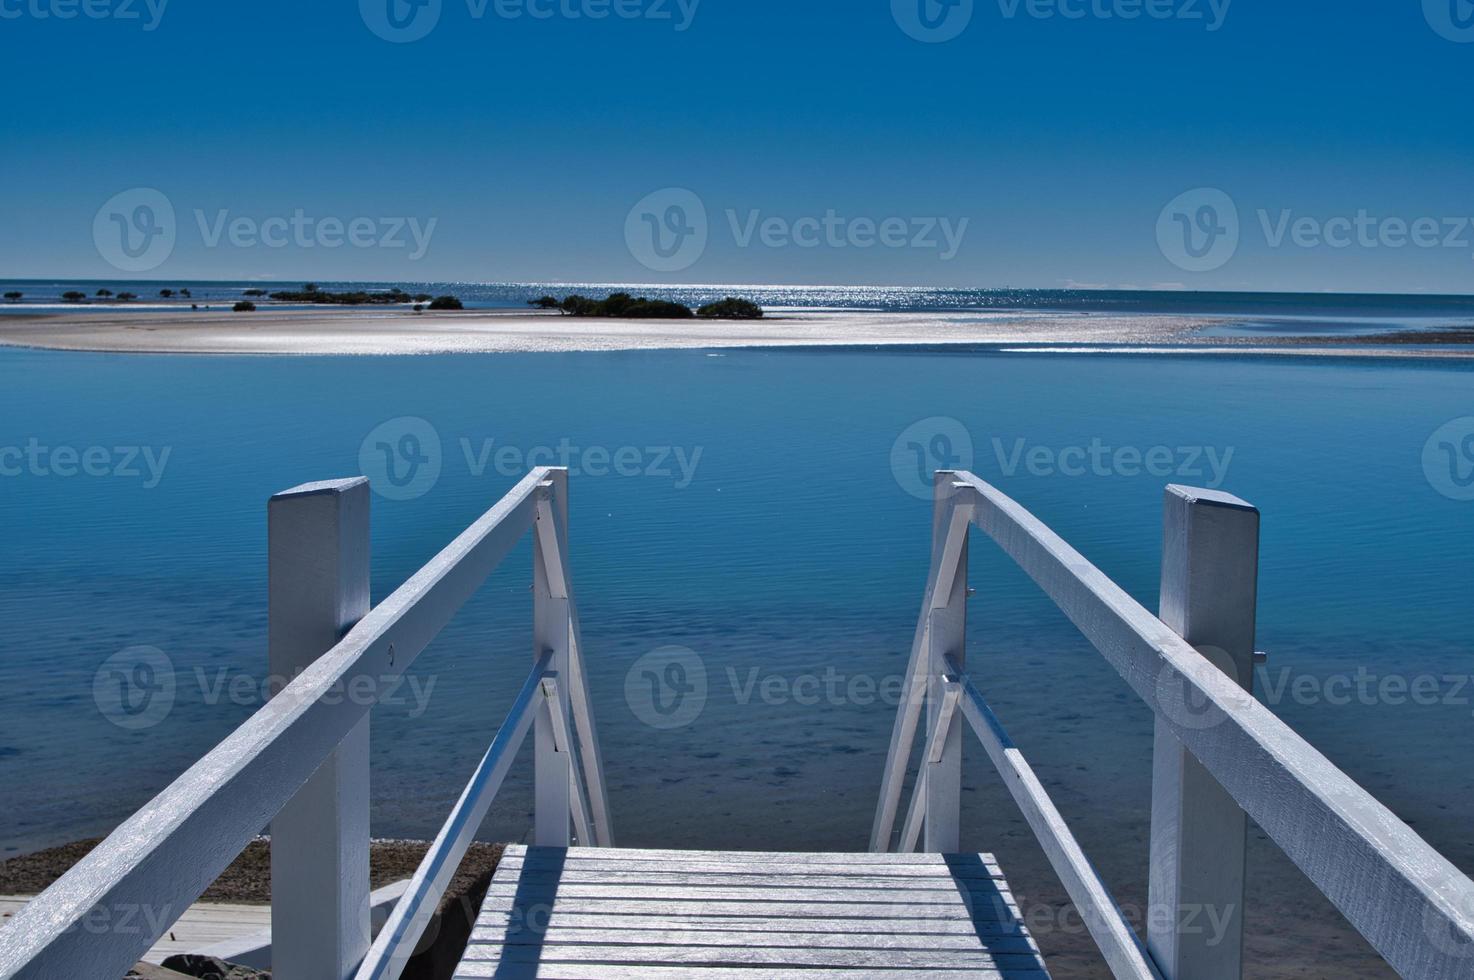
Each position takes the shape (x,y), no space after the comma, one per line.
(795,549)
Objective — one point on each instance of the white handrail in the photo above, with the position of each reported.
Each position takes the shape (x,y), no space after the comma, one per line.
(913,692)
(411,916)
(163,857)
(1413,906)
(1118,942)
(596,795)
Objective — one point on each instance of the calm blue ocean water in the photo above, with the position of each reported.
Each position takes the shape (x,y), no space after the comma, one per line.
(788,547)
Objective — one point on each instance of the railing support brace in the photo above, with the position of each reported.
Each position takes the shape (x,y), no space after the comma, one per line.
(318,548)
(1210,562)
(552,631)
(942,830)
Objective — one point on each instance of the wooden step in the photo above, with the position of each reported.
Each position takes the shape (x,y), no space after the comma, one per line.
(607,914)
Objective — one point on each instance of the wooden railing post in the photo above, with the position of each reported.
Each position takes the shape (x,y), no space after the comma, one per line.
(946,639)
(318,567)
(552,633)
(1210,567)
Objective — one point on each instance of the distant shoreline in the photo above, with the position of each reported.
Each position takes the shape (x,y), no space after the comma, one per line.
(339,331)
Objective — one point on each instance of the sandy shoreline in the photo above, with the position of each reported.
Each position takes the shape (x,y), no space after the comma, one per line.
(355,332)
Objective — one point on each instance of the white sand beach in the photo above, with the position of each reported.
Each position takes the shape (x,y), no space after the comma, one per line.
(338,331)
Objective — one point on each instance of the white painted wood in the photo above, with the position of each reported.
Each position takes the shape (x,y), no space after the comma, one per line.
(552,538)
(499,925)
(552,635)
(396,943)
(563,738)
(914,689)
(1210,572)
(590,752)
(650,935)
(646,855)
(1124,952)
(163,857)
(254,949)
(945,914)
(318,570)
(648,971)
(946,643)
(1406,899)
(936,743)
(745,869)
(721,956)
(910,838)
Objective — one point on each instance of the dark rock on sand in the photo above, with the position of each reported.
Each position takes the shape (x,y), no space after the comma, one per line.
(212,968)
(147,971)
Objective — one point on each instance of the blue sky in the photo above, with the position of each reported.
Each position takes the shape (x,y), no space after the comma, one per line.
(528,141)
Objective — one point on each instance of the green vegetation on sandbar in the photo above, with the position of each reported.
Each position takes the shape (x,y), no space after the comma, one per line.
(14,297)
(625,306)
(127,297)
(72,296)
(311,294)
(731,308)
(104,293)
(395,296)
(244,306)
(446,303)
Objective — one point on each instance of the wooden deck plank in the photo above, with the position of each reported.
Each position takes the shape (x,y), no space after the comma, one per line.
(846,959)
(495,923)
(646,971)
(615,914)
(1013,942)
